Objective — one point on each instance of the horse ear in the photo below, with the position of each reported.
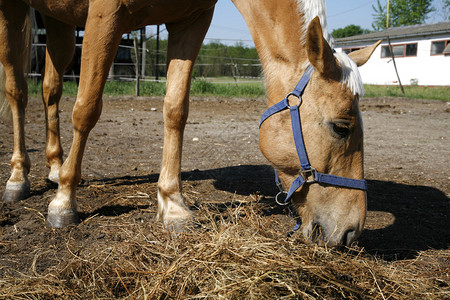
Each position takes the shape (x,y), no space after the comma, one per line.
(360,57)
(319,52)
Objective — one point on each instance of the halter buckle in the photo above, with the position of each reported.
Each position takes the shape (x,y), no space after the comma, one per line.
(306,174)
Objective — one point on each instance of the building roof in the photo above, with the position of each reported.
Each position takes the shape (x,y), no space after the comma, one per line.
(396,33)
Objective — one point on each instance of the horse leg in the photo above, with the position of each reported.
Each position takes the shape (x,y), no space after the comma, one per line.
(59,54)
(184,44)
(101,40)
(14,55)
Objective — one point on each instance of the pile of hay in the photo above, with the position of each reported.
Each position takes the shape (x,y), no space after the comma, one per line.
(233,253)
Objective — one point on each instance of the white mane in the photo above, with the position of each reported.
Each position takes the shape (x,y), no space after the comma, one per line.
(350,73)
(311,9)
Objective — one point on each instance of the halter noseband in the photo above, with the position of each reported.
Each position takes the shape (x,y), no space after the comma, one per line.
(307,173)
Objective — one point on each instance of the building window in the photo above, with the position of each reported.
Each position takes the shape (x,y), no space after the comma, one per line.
(349,50)
(440,47)
(411,50)
(404,50)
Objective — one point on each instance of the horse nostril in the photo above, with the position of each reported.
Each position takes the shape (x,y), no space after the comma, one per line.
(348,237)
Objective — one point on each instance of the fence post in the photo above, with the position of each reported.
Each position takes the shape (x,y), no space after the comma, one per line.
(111,72)
(157,54)
(136,54)
(144,51)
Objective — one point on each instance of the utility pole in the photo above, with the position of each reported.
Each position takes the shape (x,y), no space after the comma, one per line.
(391,49)
(387,15)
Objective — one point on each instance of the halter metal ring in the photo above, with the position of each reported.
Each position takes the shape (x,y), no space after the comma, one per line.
(298,97)
(278,201)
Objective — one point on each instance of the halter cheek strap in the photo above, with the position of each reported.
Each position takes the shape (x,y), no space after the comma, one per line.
(307,173)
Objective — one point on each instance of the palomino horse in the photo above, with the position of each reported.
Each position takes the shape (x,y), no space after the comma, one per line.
(288,38)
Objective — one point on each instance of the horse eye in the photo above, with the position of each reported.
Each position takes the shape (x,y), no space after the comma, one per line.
(341,129)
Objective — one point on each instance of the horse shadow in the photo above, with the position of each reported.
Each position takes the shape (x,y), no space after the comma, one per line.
(420,214)
(421,220)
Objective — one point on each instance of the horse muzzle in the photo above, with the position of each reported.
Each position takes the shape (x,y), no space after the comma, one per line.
(329,235)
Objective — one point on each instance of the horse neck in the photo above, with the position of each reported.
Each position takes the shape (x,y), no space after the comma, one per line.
(278,31)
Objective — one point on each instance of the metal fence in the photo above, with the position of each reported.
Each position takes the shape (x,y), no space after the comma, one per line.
(148,67)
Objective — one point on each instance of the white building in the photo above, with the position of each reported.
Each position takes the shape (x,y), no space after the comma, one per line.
(422,55)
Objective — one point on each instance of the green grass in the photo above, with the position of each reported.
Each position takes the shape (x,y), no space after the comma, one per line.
(417,92)
(226,87)
(247,89)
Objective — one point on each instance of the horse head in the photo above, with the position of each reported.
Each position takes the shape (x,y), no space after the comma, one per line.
(332,131)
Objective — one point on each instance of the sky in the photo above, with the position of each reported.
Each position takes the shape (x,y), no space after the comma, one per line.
(229,27)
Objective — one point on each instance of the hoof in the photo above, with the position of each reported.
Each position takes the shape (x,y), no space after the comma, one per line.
(16,191)
(62,219)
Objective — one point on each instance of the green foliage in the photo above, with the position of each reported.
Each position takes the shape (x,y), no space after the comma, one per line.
(215,59)
(349,30)
(154,53)
(401,13)
(447,7)
(379,16)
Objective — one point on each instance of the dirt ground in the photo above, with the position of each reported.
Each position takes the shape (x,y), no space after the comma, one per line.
(407,151)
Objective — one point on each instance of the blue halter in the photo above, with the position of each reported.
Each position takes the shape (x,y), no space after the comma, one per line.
(307,173)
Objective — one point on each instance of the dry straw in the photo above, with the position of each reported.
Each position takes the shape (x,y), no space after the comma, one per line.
(233,252)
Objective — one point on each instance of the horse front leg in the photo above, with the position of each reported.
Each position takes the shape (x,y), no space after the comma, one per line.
(184,44)
(101,40)
(14,53)
(59,54)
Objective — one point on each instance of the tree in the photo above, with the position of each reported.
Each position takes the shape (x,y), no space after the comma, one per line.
(379,16)
(349,30)
(401,13)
